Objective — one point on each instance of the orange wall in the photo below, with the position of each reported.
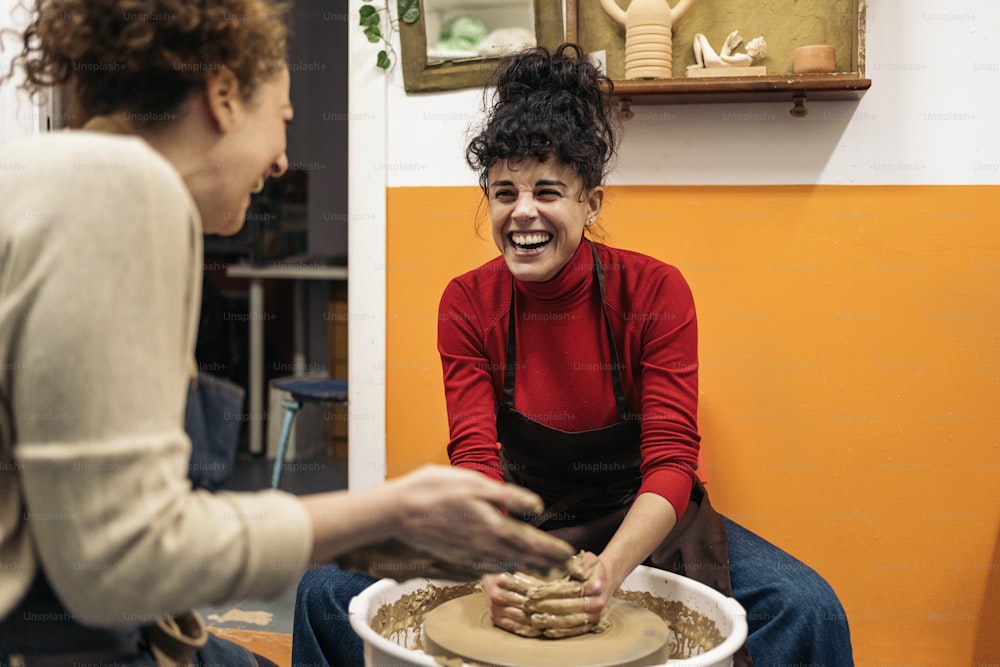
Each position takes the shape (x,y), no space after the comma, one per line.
(850,382)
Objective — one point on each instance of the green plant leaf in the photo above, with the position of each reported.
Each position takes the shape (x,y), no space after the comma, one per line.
(368,14)
(383,59)
(373,34)
(409,10)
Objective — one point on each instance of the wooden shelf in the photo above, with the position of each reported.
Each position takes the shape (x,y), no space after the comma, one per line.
(837,22)
(797,89)
(844,86)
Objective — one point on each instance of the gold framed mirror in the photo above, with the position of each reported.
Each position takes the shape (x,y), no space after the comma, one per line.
(430,59)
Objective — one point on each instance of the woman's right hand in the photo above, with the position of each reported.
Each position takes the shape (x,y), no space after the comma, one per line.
(458,515)
(507,606)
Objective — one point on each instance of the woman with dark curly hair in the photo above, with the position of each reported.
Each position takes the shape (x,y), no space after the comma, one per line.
(103,543)
(571,368)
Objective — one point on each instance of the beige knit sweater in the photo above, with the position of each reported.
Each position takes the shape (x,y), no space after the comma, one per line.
(100,282)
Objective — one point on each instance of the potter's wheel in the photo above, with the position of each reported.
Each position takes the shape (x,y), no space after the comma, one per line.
(462,627)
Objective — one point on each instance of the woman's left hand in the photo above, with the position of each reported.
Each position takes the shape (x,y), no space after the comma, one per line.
(531,607)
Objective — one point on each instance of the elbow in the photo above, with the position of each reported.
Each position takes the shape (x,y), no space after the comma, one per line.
(96,592)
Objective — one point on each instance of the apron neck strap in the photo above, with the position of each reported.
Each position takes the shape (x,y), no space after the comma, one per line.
(510,365)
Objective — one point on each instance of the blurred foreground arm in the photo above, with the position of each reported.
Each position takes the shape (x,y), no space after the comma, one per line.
(436,522)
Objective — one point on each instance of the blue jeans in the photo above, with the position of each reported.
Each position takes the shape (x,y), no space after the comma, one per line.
(321,631)
(793,615)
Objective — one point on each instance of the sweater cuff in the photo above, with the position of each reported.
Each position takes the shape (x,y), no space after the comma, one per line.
(279,541)
(671,483)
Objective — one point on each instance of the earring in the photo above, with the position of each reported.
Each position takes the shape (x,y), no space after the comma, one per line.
(589,222)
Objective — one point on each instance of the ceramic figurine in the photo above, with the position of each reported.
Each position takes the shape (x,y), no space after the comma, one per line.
(649,51)
(705,55)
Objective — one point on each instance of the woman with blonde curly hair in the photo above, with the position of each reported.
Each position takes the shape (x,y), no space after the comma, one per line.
(103,543)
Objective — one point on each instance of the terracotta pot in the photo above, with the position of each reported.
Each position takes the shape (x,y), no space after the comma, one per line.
(814,59)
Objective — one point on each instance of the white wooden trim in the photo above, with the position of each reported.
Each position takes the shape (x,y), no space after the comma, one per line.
(366,243)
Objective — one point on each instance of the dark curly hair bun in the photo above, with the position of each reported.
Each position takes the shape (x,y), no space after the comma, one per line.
(548,104)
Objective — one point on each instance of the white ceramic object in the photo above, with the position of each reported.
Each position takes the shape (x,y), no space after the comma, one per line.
(649,41)
(705,55)
(728,615)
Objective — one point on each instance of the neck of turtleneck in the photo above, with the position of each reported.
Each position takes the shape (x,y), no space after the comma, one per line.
(573,281)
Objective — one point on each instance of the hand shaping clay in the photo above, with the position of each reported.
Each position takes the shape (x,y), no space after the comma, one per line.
(541,607)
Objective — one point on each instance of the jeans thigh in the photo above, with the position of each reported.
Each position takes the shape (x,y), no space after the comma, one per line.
(219,652)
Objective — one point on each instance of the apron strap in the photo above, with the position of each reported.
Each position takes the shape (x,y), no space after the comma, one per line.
(624,412)
(510,363)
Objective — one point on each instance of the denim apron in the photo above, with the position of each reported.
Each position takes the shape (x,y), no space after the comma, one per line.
(39,632)
(589,479)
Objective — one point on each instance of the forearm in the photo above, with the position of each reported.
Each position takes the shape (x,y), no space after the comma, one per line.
(451,514)
(162,549)
(645,526)
(343,521)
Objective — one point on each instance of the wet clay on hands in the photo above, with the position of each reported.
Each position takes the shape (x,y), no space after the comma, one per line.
(396,559)
(545,603)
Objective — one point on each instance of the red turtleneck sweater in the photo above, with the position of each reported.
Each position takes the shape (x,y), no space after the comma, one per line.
(563,359)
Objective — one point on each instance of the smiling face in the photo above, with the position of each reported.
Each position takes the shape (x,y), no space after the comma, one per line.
(538,211)
(252,150)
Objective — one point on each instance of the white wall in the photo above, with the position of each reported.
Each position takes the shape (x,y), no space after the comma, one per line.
(19,116)
(932,116)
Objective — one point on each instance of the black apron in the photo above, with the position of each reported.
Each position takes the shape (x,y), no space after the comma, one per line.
(589,479)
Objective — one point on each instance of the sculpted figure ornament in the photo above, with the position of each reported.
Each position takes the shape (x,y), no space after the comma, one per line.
(727,62)
(649,50)
(705,55)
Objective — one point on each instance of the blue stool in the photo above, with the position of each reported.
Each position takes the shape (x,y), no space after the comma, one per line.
(323,390)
